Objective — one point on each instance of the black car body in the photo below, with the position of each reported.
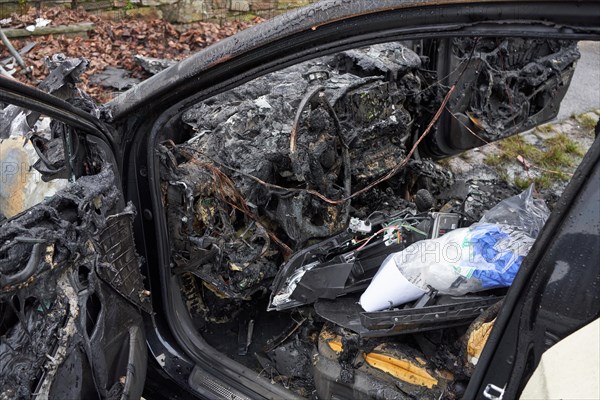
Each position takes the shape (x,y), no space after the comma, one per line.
(92,278)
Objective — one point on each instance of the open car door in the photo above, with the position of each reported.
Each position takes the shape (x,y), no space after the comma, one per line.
(72,293)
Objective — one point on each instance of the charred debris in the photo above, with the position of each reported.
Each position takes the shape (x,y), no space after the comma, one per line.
(66,262)
(264,186)
(512,84)
(58,276)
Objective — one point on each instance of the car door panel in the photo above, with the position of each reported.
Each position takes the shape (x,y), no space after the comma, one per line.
(72,295)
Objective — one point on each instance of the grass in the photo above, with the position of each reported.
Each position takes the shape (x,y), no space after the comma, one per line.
(542,181)
(586,121)
(515,145)
(559,151)
(492,160)
(565,143)
(548,128)
(554,159)
(503,175)
(522,183)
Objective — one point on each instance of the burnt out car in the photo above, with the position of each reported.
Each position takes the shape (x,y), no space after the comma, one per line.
(215,225)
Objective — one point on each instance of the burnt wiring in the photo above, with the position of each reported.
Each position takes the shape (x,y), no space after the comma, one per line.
(227,192)
(393,172)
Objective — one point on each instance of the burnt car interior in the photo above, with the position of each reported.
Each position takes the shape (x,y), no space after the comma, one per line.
(284,195)
(230,229)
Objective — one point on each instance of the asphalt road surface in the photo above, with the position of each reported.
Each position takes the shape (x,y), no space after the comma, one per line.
(584,93)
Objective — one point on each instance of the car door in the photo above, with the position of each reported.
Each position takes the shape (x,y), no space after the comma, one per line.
(554,295)
(72,295)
